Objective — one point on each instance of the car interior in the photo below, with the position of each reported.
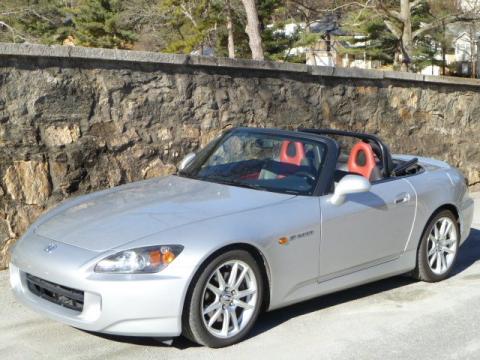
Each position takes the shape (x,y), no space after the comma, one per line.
(275,163)
(295,157)
(365,158)
(291,164)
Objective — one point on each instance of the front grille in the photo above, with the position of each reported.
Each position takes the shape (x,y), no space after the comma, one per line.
(57,294)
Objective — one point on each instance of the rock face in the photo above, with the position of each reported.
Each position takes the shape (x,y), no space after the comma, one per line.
(71,126)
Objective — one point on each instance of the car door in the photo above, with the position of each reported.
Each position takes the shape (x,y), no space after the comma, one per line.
(367,229)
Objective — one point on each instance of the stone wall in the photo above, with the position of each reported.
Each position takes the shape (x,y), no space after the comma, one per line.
(76,120)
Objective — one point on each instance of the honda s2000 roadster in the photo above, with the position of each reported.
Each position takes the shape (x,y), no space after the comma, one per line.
(257,220)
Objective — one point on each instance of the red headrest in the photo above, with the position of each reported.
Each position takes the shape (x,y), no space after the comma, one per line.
(360,166)
(292,152)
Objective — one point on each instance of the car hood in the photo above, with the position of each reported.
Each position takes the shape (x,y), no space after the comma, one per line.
(111,218)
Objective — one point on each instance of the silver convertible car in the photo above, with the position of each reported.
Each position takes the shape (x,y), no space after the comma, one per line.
(257,220)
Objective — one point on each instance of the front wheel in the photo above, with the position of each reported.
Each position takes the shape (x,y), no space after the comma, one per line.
(225,301)
(438,248)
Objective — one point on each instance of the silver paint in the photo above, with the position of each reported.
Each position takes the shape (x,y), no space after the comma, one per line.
(371,235)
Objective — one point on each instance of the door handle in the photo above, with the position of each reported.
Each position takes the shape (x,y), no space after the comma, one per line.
(402,198)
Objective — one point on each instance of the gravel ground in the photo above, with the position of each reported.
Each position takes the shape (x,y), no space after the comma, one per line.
(390,319)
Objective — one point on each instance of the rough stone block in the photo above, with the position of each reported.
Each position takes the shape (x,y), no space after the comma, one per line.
(28,181)
(61,135)
(157,168)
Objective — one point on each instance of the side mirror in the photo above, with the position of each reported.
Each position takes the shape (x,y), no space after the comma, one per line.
(349,184)
(186,161)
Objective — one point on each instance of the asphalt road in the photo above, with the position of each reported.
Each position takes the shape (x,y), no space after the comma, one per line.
(390,319)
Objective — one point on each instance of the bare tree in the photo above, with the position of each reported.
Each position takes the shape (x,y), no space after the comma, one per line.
(253,29)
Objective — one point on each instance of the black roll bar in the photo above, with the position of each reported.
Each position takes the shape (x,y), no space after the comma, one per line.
(385,152)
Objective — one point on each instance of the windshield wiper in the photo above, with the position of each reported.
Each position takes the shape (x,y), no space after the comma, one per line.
(247,185)
(233,182)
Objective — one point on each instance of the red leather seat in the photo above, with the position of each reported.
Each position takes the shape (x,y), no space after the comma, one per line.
(292,152)
(362,160)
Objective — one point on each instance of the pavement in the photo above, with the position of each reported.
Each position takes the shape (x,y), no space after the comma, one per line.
(395,318)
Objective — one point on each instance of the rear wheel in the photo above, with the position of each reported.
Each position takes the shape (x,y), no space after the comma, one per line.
(438,249)
(225,301)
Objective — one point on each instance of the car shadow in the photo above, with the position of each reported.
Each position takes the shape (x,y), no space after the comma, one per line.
(469,254)
(178,343)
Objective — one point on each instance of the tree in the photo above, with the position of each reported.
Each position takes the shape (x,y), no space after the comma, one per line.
(370,37)
(370,34)
(33,21)
(231,41)
(230,35)
(187,26)
(398,19)
(97,23)
(253,29)
(93,23)
(440,39)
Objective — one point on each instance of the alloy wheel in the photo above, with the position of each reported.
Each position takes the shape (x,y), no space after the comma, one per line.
(442,245)
(229,299)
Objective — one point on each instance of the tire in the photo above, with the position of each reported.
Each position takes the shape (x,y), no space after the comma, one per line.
(430,267)
(206,293)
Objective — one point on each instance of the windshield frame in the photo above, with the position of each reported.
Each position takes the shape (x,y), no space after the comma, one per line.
(324,179)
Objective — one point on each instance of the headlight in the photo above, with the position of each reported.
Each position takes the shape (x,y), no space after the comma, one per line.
(142,260)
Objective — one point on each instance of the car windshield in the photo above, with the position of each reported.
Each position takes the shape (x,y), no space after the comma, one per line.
(261,161)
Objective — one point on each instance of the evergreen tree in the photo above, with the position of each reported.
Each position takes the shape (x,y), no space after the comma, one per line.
(97,23)
(368,35)
(273,18)
(194,21)
(242,49)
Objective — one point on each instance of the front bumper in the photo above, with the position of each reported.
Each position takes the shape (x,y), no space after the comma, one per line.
(134,305)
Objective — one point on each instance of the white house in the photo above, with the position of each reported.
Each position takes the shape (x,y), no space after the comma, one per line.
(464,42)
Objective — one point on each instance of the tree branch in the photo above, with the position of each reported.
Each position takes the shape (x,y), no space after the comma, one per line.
(11,12)
(12,30)
(415,3)
(30,9)
(389,12)
(188,14)
(40,16)
(394,29)
(446,20)
(358,4)
(396,15)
